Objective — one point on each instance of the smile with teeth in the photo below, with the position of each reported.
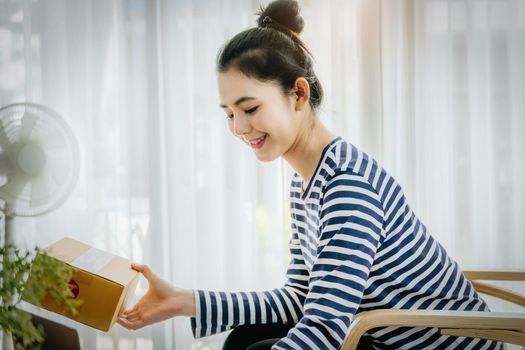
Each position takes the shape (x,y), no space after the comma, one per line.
(257,143)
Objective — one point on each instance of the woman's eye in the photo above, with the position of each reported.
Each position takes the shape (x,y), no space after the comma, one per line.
(252,110)
(249,111)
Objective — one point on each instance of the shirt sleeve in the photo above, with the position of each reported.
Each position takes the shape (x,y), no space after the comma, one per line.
(220,311)
(350,227)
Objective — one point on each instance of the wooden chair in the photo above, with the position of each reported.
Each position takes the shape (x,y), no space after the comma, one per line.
(500,326)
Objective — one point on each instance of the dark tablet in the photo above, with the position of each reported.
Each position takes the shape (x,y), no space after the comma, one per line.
(57,336)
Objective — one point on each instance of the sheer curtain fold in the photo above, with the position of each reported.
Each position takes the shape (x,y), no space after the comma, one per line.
(433,89)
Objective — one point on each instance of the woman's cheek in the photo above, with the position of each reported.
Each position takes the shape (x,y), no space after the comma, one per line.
(259,123)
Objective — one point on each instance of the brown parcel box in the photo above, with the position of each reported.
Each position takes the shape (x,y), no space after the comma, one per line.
(104,282)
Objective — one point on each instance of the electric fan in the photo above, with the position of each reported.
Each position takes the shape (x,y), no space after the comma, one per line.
(39,162)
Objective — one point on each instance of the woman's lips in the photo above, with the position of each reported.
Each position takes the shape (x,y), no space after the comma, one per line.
(257,144)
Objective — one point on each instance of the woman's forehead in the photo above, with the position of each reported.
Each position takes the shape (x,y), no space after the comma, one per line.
(232,80)
(235,86)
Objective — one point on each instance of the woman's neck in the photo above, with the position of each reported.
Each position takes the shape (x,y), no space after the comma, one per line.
(306,151)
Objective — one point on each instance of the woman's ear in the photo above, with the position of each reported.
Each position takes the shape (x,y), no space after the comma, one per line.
(302,93)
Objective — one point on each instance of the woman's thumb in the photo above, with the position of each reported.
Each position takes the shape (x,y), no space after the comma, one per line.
(144,269)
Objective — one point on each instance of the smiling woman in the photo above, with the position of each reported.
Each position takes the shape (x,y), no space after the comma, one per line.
(356,244)
(433,89)
(270,122)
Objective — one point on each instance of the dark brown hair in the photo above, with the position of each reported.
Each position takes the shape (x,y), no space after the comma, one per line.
(273,51)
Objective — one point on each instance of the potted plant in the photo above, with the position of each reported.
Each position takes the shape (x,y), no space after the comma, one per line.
(49,276)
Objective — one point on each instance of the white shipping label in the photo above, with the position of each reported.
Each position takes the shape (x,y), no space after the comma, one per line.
(92,260)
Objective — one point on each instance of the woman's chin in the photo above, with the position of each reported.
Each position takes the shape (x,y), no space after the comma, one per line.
(265,157)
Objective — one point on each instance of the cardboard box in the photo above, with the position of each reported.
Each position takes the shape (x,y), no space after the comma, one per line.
(103,281)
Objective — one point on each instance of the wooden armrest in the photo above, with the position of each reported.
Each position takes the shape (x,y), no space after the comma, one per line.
(491,322)
(514,337)
(495,275)
(498,292)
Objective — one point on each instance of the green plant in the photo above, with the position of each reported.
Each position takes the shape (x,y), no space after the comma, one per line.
(48,276)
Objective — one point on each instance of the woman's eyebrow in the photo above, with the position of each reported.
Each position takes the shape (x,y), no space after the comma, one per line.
(240,100)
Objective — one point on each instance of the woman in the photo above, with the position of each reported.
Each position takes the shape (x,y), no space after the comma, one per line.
(356,244)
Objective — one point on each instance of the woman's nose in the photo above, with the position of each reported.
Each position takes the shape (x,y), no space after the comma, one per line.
(241,125)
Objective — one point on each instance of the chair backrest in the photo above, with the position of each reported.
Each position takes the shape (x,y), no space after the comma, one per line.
(503,327)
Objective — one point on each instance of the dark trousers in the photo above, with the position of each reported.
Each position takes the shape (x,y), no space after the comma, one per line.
(263,336)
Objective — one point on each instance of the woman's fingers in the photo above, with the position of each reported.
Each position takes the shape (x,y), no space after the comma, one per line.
(137,267)
(130,312)
(130,315)
(136,324)
(125,323)
(127,311)
(144,269)
(133,318)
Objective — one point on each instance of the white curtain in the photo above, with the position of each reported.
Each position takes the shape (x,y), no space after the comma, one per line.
(433,89)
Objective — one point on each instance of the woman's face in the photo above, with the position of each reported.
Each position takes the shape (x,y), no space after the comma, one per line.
(259,114)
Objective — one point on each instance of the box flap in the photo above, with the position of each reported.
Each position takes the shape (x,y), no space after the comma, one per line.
(118,270)
(93,260)
(67,249)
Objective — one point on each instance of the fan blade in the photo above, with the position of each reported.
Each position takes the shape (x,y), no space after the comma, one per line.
(40,189)
(4,140)
(15,185)
(51,140)
(5,164)
(59,168)
(28,123)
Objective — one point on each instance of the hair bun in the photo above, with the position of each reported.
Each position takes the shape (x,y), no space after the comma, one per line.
(284,12)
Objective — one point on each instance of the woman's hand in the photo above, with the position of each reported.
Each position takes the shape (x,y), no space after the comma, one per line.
(161,301)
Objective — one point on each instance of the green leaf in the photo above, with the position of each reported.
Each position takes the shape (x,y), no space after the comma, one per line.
(31,279)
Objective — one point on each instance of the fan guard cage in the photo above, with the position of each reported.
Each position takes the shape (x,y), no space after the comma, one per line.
(31,123)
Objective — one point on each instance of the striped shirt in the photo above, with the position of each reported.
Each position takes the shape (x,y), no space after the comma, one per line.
(356,246)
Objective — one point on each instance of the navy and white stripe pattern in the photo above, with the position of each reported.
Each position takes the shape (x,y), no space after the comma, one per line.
(356,246)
